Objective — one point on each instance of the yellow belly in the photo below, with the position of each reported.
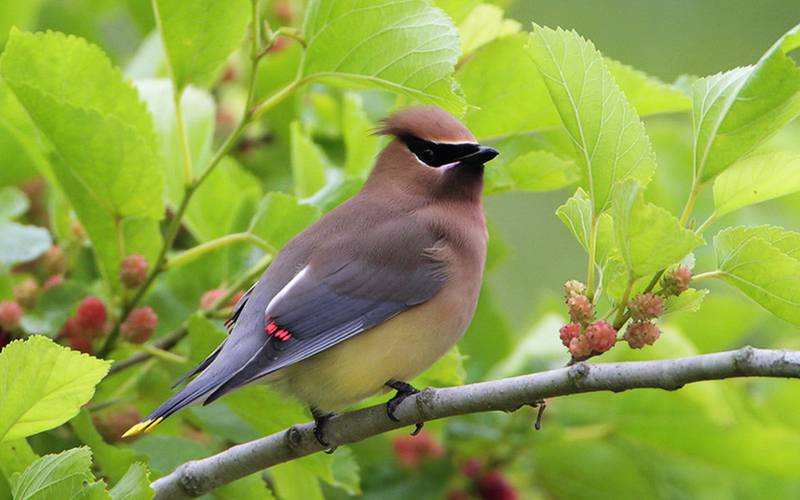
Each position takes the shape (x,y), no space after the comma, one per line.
(398,349)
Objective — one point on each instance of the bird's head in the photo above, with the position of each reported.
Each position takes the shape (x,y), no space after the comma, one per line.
(432,153)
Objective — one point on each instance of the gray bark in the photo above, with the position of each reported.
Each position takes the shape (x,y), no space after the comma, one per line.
(198,477)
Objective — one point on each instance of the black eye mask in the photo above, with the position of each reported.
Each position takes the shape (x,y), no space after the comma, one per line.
(438,154)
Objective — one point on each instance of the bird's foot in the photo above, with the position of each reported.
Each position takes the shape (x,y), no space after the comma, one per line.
(541,404)
(320,419)
(404,390)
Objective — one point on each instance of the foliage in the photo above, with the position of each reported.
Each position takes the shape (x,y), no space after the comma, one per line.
(235,125)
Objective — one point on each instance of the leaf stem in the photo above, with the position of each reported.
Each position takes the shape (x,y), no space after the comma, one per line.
(621,317)
(707,275)
(704,225)
(182,137)
(592,250)
(208,246)
(690,202)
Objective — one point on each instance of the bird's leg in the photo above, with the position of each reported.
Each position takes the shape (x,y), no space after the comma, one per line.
(404,390)
(320,419)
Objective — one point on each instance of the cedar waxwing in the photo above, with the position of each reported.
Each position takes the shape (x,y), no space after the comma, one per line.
(374,292)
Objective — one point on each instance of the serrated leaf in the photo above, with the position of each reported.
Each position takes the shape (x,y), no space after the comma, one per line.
(482,25)
(308,163)
(763,262)
(199,36)
(107,163)
(292,481)
(250,487)
(115,462)
(649,238)
(405,46)
(610,138)
(22,243)
(15,457)
(756,179)
(199,115)
(134,485)
(735,111)
(688,301)
(64,475)
(515,99)
(533,171)
(42,385)
(13,202)
(280,217)
(360,143)
(576,214)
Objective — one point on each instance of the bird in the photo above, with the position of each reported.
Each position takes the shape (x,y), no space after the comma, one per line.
(370,295)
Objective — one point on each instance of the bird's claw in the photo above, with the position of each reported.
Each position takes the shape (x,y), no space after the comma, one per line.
(320,419)
(404,390)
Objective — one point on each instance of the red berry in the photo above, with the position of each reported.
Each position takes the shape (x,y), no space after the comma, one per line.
(54,260)
(411,451)
(113,425)
(641,333)
(646,306)
(472,467)
(91,317)
(236,297)
(52,281)
(80,343)
(210,297)
(580,347)
(677,281)
(283,11)
(494,486)
(569,332)
(139,325)
(133,270)
(573,288)
(457,495)
(580,309)
(70,328)
(279,44)
(601,336)
(10,315)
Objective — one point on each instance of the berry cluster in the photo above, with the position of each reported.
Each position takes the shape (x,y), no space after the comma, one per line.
(483,482)
(585,337)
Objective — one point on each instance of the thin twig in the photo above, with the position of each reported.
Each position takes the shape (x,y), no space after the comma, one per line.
(198,477)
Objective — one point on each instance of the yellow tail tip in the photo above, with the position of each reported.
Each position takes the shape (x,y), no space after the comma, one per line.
(141,427)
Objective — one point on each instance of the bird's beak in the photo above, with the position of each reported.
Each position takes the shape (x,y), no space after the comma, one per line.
(482,155)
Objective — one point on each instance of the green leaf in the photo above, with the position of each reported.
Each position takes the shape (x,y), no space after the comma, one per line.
(447,371)
(169,452)
(405,46)
(576,214)
(608,135)
(763,262)
(57,381)
(56,476)
(280,217)
(515,99)
(114,461)
(308,163)
(361,144)
(199,36)
(733,112)
(15,456)
(199,116)
(533,171)
(13,202)
(215,207)
(134,485)
(482,25)
(649,237)
(251,487)
(107,163)
(22,243)
(292,481)
(756,179)
(688,301)
(346,473)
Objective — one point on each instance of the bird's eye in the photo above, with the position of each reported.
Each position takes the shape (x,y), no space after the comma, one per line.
(427,154)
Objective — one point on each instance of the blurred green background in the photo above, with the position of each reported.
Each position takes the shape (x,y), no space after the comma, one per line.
(738,439)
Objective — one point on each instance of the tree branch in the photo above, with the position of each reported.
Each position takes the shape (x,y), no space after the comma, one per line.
(198,477)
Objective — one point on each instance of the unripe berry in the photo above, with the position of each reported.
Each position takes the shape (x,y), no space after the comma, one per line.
(91,317)
(210,297)
(569,332)
(54,260)
(580,309)
(573,288)
(279,44)
(283,11)
(494,486)
(601,335)
(139,325)
(472,467)
(133,271)
(677,281)
(646,306)
(10,315)
(25,293)
(580,348)
(641,333)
